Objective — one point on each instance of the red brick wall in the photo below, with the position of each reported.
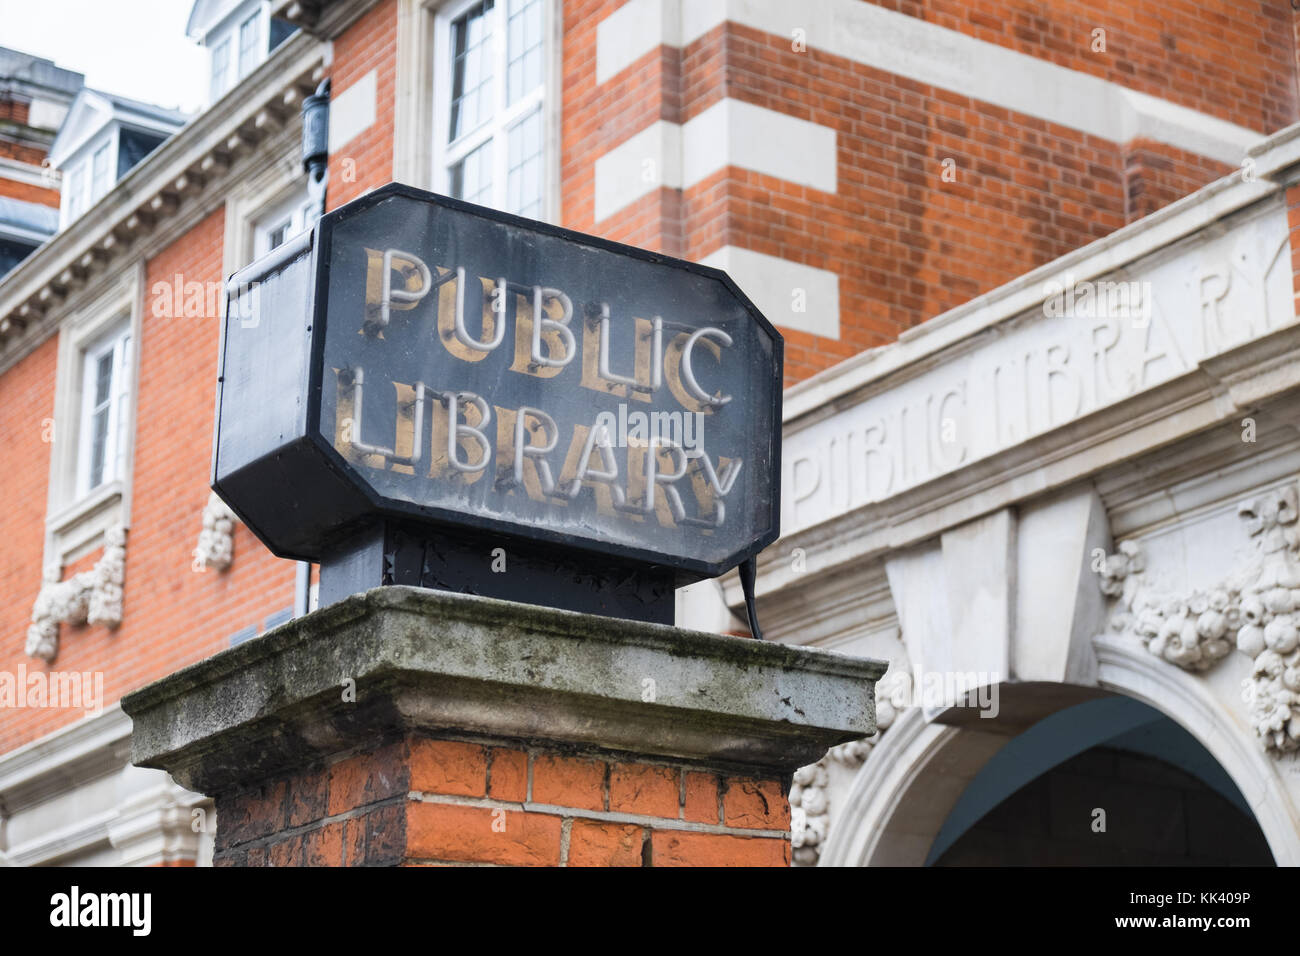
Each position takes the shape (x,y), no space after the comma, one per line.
(24,154)
(597,118)
(172,615)
(366,162)
(26,411)
(448,802)
(1234,59)
(14,110)
(28,193)
(1156,174)
(905,244)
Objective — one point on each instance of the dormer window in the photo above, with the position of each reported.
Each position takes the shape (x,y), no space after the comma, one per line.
(101,140)
(239,35)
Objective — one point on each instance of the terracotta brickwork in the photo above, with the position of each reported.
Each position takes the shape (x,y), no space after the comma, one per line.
(26,430)
(1233,59)
(32,155)
(14,110)
(906,242)
(28,192)
(427,801)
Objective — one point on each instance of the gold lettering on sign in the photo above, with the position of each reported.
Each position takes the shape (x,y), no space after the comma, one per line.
(395,280)
(544,344)
(458,437)
(453,328)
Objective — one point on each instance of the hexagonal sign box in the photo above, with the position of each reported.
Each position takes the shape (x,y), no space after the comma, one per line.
(421,358)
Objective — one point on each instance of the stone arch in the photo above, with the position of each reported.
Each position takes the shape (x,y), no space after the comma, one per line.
(1186,699)
(914,776)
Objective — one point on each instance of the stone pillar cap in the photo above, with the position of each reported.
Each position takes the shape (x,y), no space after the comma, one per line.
(439,662)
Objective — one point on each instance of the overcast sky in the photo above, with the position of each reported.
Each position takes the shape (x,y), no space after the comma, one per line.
(136,48)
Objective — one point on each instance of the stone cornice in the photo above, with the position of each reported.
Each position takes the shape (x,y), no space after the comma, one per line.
(164,189)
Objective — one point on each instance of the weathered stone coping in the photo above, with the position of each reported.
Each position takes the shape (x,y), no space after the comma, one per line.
(442,662)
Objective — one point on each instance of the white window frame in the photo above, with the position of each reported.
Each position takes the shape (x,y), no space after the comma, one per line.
(259,47)
(219,79)
(116,346)
(74,183)
(77,517)
(504,117)
(259,199)
(98,189)
(293,212)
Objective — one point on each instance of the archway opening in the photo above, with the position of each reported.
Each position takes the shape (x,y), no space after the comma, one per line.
(1110,782)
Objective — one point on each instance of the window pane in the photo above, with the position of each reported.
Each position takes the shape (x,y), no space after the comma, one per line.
(12,253)
(524,182)
(250,32)
(471,71)
(471,178)
(281,30)
(524,56)
(220,68)
(121,377)
(133,146)
(99,173)
(277,236)
(103,378)
(98,447)
(75,196)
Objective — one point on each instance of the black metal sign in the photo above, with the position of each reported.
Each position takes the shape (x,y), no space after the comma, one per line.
(425,359)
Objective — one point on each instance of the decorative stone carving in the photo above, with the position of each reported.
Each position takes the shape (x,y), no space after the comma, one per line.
(88,597)
(216,548)
(1256,608)
(1117,568)
(809,797)
(1192,630)
(1271,632)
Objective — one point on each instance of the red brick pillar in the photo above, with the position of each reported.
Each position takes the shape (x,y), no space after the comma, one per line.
(410,727)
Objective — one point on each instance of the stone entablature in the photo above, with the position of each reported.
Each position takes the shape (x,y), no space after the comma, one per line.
(1089,345)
